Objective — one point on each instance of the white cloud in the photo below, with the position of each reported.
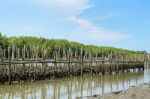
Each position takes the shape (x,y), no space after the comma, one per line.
(68,7)
(96,33)
(76,5)
(72,9)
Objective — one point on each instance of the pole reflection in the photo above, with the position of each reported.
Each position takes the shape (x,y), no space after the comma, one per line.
(73,87)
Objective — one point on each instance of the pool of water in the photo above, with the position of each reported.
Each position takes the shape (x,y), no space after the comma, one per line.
(70,88)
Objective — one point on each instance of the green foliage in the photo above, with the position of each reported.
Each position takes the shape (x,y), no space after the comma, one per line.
(60,45)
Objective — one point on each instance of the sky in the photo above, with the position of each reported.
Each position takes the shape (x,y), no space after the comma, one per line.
(116,23)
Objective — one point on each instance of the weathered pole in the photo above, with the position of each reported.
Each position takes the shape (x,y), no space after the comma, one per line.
(13,51)
(9,66)
(81,60)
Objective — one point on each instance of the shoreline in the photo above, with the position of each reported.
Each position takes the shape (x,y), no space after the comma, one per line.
(141,91)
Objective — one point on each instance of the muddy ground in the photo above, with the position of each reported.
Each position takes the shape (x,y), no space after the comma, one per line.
(141,91)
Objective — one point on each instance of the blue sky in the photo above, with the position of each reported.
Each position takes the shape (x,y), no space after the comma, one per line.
(117,23)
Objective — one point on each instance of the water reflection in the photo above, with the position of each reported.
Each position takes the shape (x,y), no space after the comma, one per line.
(73,87)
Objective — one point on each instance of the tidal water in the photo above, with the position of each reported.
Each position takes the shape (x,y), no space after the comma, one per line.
(71,88)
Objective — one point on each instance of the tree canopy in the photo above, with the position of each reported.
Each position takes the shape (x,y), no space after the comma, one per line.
(45,46)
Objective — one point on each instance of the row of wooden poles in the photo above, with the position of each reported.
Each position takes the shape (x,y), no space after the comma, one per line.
(35,52)
(14,69)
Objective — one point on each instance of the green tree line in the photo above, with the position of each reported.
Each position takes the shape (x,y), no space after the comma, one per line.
(38,47)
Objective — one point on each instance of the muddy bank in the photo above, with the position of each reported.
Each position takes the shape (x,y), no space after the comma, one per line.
(141,91)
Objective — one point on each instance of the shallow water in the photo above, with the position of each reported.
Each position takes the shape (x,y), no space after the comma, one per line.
(74,87)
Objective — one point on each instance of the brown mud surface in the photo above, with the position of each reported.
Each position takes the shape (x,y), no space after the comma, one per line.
(141,91)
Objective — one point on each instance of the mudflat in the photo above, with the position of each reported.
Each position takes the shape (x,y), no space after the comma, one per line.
(141,91)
